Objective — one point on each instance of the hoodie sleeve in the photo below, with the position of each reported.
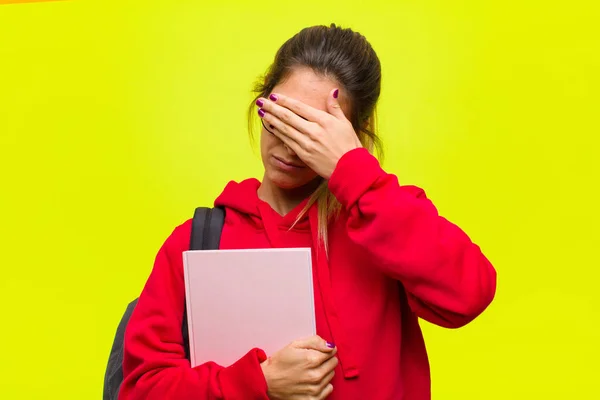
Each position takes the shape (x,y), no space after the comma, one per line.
(154,361)
(448,280)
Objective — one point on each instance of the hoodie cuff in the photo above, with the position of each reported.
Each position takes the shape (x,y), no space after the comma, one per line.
(354,174)
(244,380)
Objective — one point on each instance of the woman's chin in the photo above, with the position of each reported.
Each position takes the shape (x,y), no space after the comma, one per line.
(288,184)
(288,181)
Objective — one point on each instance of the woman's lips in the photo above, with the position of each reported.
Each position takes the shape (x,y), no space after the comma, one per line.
(287,165)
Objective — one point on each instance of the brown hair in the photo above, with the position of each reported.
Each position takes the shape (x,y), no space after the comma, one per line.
(342,55)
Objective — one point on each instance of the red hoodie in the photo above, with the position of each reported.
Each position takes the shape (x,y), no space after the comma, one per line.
(386,234)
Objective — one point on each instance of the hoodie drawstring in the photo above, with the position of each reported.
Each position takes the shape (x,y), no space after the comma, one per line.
(340,337)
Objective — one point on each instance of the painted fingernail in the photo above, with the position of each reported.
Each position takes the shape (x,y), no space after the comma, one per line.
(273,97)
(261,113)
(259,103)
(336,93)
(330,345)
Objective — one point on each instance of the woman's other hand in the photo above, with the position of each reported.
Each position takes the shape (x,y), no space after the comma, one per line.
(301,370)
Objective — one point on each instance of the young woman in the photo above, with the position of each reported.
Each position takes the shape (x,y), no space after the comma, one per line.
(382,256)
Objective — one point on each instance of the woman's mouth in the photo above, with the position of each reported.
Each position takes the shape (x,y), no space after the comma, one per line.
(287,165)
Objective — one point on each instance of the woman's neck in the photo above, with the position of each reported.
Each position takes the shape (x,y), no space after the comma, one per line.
(285,200)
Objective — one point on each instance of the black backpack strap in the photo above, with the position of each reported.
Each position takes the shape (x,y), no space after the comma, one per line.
(206,228)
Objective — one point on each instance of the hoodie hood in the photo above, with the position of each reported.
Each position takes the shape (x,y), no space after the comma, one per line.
(243,198)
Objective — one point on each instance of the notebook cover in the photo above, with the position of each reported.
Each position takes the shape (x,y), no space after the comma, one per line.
(238,300)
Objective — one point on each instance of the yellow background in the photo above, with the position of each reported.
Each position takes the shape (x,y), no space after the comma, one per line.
(118,118)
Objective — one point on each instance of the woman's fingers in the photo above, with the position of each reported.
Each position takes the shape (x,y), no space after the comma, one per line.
(319,372)
(329,365)
(326,392)
(291,112)
(289,135)
(317,359)
(325,388)
(322,377)
(315,343)
(297,107)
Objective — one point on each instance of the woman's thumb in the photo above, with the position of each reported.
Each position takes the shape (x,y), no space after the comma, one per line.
(316,343)
(333,105)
